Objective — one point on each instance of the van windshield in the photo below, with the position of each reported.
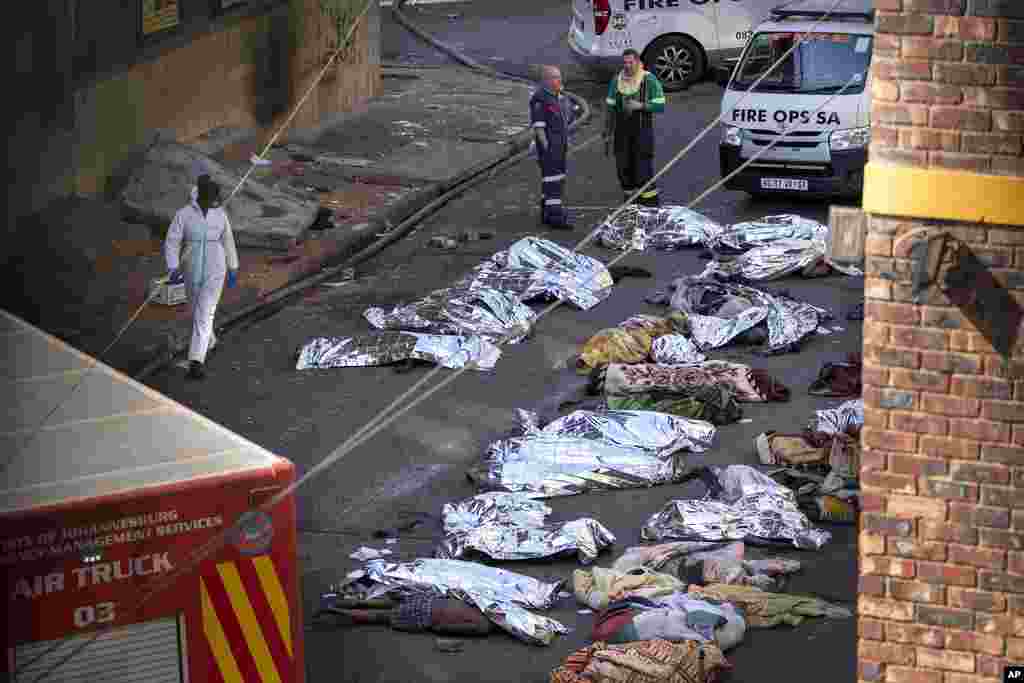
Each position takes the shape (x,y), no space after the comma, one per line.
(822,64)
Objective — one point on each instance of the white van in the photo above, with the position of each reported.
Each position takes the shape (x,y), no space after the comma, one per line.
(678,40)
(824,152)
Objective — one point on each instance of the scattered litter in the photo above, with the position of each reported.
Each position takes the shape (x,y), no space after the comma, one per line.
(356,574)
(584,611)
(510,130)
(364,554)
(838,329)
(509,526)
(564,594)
(823,331)
(391,541)
(746,420)
(256,161)
(443,242)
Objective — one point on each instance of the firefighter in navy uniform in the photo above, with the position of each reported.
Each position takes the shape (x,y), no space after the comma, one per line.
(551,112)
(634,96)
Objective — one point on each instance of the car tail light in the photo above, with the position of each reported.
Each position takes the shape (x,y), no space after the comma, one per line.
(602,13)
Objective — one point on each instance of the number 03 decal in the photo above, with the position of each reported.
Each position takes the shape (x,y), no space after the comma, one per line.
(744,35)
(101,613)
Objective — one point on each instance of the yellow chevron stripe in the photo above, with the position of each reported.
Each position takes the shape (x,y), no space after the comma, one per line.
(217,640)
(275,596)
(247,620)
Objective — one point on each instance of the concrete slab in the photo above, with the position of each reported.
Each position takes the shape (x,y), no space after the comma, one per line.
(437,159)
(261,216)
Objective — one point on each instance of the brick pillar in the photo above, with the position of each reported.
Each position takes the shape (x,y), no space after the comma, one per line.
(942,532)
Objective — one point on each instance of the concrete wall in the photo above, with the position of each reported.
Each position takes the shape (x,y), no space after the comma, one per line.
(236,70)
(942,530)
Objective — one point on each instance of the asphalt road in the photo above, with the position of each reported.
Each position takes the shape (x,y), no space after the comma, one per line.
(418,463)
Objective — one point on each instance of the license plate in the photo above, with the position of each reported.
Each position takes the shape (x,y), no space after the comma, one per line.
(783,184)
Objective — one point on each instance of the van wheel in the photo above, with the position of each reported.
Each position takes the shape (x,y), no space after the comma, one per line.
(677,61)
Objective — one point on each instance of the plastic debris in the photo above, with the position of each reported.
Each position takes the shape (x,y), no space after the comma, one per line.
(364,554)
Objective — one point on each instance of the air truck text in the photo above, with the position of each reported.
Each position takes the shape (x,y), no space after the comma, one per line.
(790,117)
(91,575)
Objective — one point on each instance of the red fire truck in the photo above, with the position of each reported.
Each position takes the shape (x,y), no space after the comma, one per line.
(118,548)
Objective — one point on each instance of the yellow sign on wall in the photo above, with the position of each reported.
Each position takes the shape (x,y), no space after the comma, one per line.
(159,15)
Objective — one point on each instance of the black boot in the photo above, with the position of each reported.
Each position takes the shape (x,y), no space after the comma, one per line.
(195,370)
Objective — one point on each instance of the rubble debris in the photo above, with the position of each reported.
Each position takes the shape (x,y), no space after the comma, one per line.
(385,348)
(648,661)
(588,450)
(766,610)
(491,314)
(750,385)
(742,504)
(510,526)
(501,595)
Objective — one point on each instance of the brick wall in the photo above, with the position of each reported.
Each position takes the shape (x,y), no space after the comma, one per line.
(942,532)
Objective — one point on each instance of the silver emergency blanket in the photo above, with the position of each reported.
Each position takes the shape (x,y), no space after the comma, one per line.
(382,348)
(511,526)
(777,260)
(788,321)
(501,595)
(533,268)
(675,349)
(768,230)
(589,450)
(838,420)
(752,507)
(489,313)
(667,227)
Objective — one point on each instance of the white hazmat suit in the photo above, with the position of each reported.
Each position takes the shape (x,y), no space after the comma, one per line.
(209,253)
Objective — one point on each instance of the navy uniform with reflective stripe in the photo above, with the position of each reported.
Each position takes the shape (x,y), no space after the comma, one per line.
(553,113)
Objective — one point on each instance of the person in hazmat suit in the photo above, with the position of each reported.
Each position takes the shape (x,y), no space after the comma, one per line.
(204,230)
(634,96)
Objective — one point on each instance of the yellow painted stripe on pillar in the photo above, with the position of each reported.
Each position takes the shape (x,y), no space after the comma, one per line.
(275,596)
(940,194)
(218,641)
(254,638)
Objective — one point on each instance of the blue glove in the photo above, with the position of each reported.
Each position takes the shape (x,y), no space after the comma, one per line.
(175,276)
(232,278)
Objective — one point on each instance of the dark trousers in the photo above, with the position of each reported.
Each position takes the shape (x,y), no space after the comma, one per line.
(552,173)
(634,160)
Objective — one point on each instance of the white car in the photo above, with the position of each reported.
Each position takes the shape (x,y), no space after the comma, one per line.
(819,97)
(678,40)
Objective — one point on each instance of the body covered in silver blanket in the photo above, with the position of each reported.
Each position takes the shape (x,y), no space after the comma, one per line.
(667,227)
(588,450)
(502,595)
(840,419)
(382,348)
(788,321)
(511,526)
(495,315)
(747,505)
(535,268)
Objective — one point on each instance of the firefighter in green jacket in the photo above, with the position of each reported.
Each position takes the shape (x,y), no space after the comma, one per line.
(634,96)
